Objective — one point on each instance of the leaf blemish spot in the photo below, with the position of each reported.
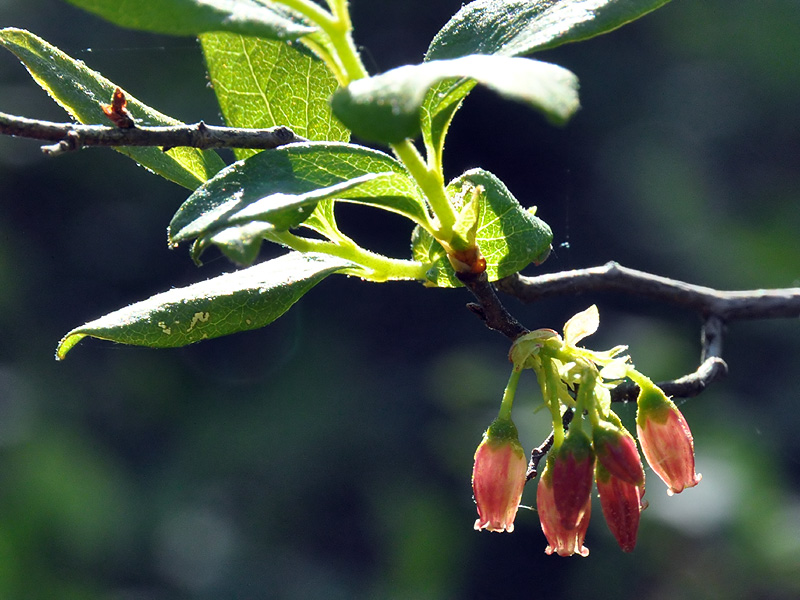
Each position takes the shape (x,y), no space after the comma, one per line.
(199,317)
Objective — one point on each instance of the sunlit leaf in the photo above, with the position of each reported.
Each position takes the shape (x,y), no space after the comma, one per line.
(262,83)
(191,17)
(509,236)
(581,325)
(519,27)
(284,185)
(238,301)
(387,108)
(83,92)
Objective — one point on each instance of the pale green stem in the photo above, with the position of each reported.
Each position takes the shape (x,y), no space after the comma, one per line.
(508,395)
(312,11)
(585,399)
(381,268)
(341,10)
(329,59)
(643,381)
(553,402)
(338,26)
(432,185)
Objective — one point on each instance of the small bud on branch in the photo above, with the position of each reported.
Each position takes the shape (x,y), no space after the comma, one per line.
(74,136)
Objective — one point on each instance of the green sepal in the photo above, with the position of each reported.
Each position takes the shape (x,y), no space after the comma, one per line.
(503,431)
(652,403)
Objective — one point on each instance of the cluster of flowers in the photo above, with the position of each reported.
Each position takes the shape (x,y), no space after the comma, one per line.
(595,447)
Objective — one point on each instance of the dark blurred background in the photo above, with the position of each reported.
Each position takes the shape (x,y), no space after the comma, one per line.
(328,456)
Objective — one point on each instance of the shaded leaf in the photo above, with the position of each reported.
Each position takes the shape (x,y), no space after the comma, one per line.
(440,105)
(387,108)
(83,92)
(239,301)
(262,83)
(509,236)
(519,27)
(239,243)
(191,17)
(284,185)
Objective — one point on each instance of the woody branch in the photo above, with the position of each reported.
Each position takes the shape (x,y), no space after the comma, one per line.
(717,307)
(74,136)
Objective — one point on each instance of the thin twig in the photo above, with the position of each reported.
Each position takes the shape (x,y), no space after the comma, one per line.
(73,136)
(712,368)
(489,308)
(538,453)
(727,305)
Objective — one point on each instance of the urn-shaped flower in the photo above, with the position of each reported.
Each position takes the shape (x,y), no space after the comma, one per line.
(616,450)
(572,475)
(498,477)
(564,541)
(666,440)
(622,505)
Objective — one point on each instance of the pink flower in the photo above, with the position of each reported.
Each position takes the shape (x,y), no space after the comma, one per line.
(498,477)
(564,541)
(666,440)
(572,475)
(616,450)
(622,505)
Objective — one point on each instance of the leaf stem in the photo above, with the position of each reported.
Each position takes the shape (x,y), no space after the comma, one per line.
(338,26)
(378,268)
(432,185)
(312,11)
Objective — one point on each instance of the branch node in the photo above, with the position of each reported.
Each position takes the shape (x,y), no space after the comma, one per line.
(72,141)
(477,310)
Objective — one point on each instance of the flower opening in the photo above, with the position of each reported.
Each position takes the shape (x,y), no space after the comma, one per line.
(564,541)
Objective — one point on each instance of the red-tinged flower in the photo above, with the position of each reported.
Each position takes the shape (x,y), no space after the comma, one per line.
(573,473)
(564,541)
(616,450)
(622,505)
(666,440)
(498,477)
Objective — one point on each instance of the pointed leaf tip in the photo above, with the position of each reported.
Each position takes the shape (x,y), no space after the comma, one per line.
(520,27)
(247,299)
(190,17)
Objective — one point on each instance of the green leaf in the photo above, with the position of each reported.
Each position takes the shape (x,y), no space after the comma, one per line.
(438,110)
(519,27)
(263,83)
(238,301)
(240,243)
(82,92)
(192,17)
(509,236)
(387,108)
(284,185)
